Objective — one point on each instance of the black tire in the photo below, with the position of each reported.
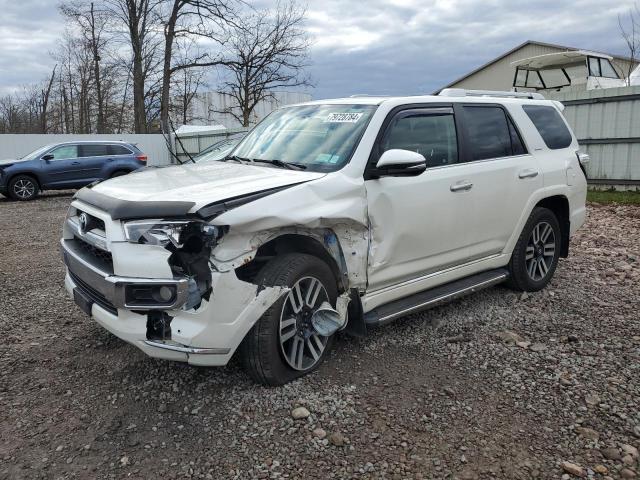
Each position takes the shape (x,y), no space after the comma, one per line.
(23,188)
(522,264)
(261,351)
(118,173)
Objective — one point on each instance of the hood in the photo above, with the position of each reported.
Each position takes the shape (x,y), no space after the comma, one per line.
(8,162)
(201,184)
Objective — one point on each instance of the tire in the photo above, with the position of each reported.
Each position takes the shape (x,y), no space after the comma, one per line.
(23,188)
(535,256)
(118,173)
(268,352)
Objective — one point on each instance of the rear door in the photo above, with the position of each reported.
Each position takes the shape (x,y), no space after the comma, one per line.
(93,158)
(500,173)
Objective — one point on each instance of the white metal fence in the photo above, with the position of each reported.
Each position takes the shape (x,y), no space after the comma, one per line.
(18,145)
(607,124)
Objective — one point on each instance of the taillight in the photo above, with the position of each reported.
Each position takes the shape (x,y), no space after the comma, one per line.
(141,158)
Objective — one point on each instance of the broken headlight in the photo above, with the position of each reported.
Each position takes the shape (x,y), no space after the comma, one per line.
(170,232)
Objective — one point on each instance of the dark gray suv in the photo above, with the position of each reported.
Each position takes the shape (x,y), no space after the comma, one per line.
(67,165)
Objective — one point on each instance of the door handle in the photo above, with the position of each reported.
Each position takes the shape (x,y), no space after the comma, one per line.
(461,187)
(528,174)
(75,163)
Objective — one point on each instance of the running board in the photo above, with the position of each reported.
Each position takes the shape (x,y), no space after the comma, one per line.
(435,296)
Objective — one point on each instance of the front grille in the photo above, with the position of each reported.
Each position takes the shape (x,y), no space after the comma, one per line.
(94,222)
(93,294)
(95,252)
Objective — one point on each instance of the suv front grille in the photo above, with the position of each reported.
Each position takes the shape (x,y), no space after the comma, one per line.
(94,252)
(93,294)
(94,222)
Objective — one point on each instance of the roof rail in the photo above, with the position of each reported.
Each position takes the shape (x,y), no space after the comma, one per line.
(366,95)
(461,92)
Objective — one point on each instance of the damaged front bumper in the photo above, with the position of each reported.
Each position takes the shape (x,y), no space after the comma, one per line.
(207,335)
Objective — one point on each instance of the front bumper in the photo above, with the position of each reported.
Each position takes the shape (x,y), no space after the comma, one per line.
(208,335)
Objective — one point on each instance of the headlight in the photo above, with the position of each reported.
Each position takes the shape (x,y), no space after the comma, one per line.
(165,232)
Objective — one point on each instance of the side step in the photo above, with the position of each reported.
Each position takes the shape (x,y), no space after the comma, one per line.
(435,296)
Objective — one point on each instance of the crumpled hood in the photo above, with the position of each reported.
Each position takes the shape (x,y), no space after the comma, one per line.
(199,183)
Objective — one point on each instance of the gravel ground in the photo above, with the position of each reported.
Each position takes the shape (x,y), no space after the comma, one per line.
(444,394)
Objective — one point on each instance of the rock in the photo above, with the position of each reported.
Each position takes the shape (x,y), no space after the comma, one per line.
(524,345)
(538,347)
(337,439)
(626,473)
(300,413)
(636,431)
(573,469)
(319,433)
(509,337)
(628,460)
(611,453)
(524,296)
(162,408)
(587,433)
(601,469)
(630,449)
(59,448)
(124,461)
(592,399)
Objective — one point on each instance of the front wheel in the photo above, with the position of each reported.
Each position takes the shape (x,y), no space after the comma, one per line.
(535,256)
(23,187)
(283,344)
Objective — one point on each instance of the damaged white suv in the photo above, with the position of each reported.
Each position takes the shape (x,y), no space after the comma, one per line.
(330,215)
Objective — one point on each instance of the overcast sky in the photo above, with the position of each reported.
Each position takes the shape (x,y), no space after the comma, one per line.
(367,46)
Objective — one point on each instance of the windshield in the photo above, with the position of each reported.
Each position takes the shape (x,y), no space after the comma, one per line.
(36,153)
(218,150)
(321,138)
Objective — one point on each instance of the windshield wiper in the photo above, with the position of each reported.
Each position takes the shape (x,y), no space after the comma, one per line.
(237,159)
(281,164)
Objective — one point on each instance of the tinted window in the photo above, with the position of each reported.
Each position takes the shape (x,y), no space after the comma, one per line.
(93,150)
(517,146)
(66,151)
(488,132)
(433,136)
(550,125)
(118,150)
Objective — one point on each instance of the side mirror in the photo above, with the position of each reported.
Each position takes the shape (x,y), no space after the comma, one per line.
(48,157)
(397,162)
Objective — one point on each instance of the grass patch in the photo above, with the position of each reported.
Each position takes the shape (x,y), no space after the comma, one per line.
(611,196)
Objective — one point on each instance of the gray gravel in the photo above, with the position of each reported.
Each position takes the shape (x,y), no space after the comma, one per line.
(497,385)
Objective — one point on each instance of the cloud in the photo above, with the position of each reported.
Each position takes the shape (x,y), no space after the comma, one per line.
(379,46)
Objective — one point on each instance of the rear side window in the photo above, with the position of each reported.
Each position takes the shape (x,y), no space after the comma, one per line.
(432,135)
(488,132)
(550,125)
(93,150)
(118,150)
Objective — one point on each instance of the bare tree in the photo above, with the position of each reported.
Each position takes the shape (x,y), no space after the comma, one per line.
(266,50)
(190,20)
(631,35)
(139,16)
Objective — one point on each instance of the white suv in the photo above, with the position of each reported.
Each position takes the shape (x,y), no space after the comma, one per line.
(329,215)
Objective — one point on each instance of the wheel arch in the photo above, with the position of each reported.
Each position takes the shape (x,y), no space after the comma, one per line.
(27,173)
(559,205)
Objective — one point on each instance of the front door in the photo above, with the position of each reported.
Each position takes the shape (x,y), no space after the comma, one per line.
(418,224)
(62,166)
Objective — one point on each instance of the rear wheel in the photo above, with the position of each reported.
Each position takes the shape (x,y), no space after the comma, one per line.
(23,187)
(535,256)
(283,345)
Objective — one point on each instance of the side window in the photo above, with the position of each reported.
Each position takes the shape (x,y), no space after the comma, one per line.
(488,132)
(550,125)
(64,152)
(594,67)
(96,150)
(607,69)
(118,150)
(517,146)
(432,135)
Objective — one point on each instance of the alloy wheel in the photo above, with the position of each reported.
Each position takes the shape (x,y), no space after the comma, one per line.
(540,252)
(301,346)
(24,188)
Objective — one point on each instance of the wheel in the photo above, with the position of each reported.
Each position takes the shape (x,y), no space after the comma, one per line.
(23,187)
(535,256)
(282,345)
(118,173)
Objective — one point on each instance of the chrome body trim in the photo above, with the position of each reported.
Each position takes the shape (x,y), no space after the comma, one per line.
(92,238)
(189,350)
(113,287)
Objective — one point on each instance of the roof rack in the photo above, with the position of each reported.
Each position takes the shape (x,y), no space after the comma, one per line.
(366,95)
(461,92)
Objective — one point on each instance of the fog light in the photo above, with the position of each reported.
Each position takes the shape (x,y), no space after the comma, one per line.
(164,294)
